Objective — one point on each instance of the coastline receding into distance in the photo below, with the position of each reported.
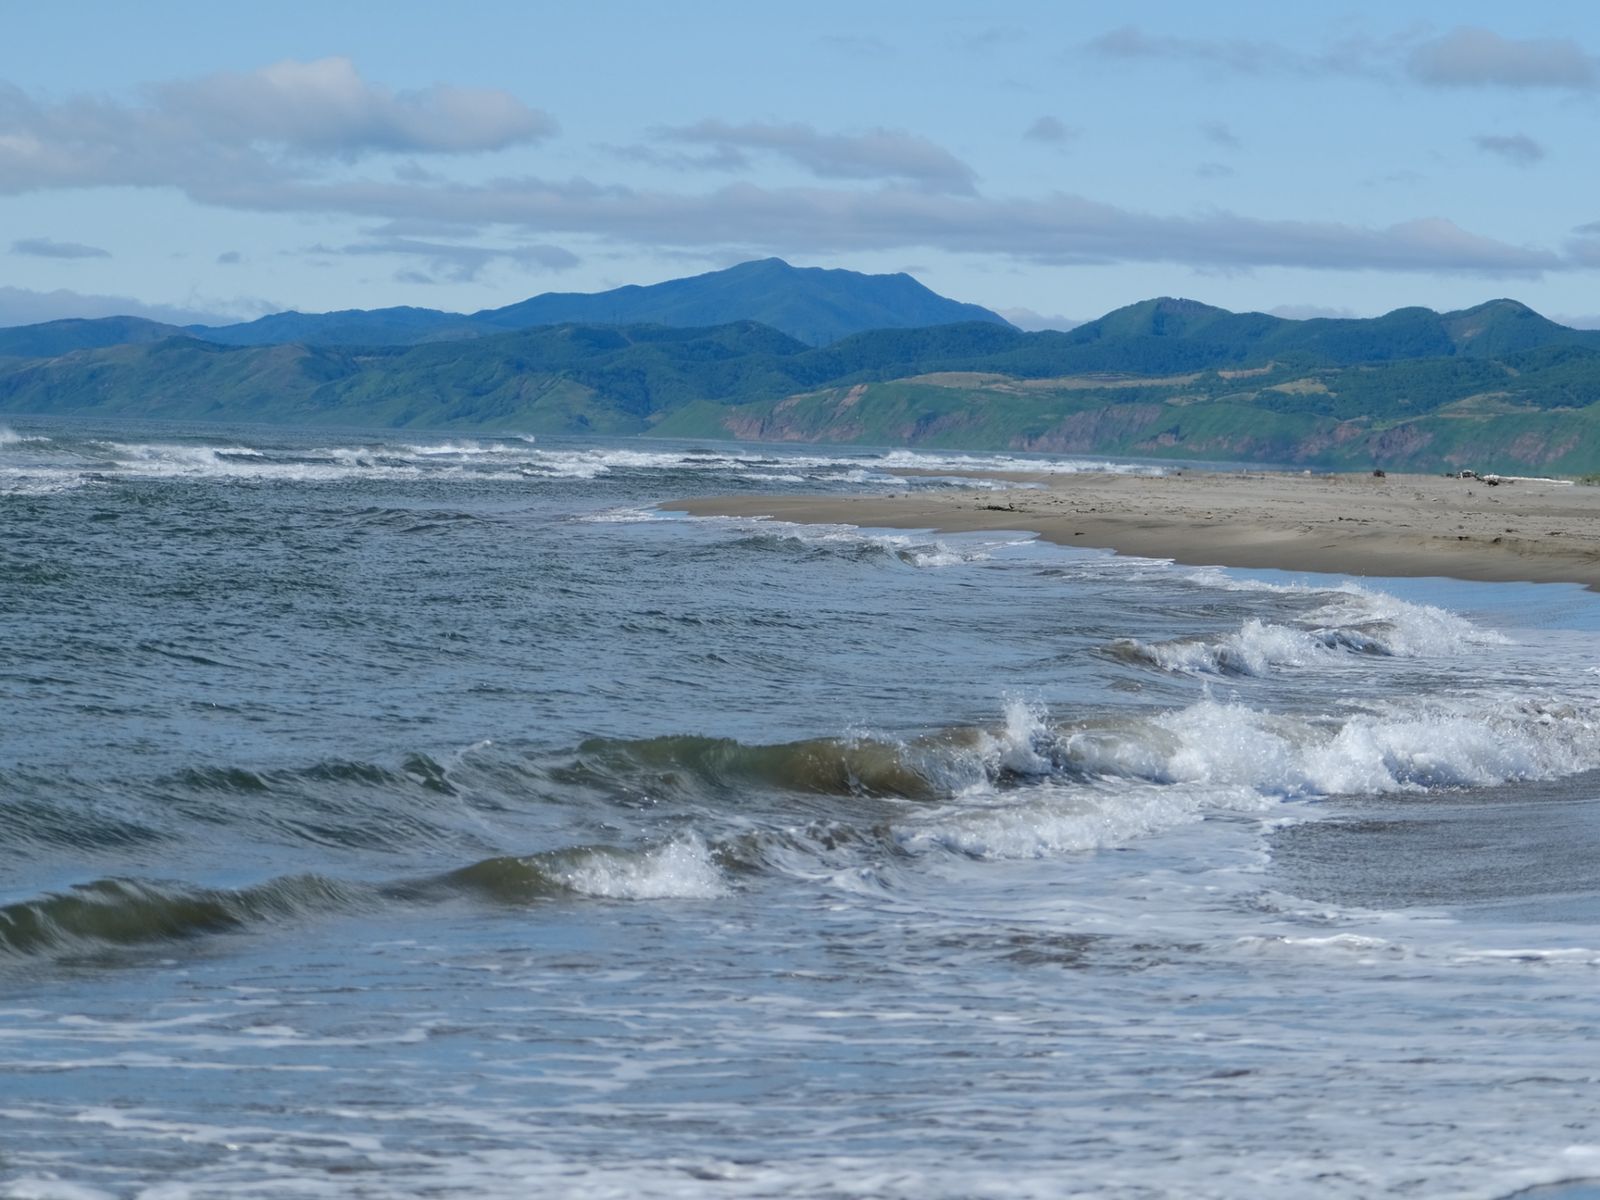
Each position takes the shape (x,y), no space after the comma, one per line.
(1529,530)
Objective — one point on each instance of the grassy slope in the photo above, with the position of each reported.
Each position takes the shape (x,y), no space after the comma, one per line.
(972,386)
(1442,420)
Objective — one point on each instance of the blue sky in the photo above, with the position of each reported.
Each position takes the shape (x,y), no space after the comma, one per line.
(1048,160)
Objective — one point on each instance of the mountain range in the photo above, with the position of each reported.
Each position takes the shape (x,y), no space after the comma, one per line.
(813,305)
(1495,387)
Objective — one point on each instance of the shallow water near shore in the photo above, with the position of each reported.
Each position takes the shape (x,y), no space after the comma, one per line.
(402,815)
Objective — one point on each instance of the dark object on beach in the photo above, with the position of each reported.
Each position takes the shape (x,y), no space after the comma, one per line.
(1378,474)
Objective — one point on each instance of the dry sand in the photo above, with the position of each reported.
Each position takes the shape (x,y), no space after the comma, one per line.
(1537,530)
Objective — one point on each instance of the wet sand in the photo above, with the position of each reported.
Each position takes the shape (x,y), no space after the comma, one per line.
(1399,525)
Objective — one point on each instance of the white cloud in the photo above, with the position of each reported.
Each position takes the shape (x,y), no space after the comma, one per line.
(884,190)
(39,247)
(264,126)
(325,107)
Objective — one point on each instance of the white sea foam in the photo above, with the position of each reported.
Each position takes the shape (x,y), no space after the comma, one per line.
(1401,627)
(678,870)
(1058,819)
(461,449)
(921,460)
(623,516)
(1109,783)
(1353,620)
(50,1187)
(1357,947)
(1556,956)
(10,437)
(1398,747)
(39,483)
(466,458)
(911,549)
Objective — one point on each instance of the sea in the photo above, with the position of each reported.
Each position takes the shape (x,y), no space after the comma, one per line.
(394,814)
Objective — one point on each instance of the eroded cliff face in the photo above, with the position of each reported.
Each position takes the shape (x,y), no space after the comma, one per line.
(1002,418)
(1087,432)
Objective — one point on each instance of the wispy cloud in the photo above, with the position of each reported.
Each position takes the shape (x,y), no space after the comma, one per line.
(1585,250)
(1470,57)
(1517,148)
(454,262)
(40,247)
(875,190)
(1057,228)
(23,306)
(1031,321)
(718,158)
(1051,130)
(1467,56)
(1238,54)
(890,154)
(851,45)
(991,38)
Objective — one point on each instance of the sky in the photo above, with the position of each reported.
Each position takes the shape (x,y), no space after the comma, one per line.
(1052,161)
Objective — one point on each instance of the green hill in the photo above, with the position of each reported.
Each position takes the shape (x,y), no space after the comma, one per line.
(1495,387)
(63,337)
(350,327)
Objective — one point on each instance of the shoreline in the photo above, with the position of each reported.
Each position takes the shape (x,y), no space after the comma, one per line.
(1524,530)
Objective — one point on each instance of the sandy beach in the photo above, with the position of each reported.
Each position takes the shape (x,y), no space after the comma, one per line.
(1363,525)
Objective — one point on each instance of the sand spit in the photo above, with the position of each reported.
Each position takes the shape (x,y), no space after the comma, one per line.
(1365,525)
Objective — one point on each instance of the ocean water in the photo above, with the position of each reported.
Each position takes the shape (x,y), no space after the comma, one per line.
(397,815)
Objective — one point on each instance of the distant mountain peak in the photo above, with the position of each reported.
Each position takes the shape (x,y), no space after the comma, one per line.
(818,305)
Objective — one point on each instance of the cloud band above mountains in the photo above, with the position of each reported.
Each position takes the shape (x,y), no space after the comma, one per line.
(291,138)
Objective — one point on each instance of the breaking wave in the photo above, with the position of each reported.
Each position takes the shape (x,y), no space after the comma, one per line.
(1352,621)
(503,458)
(1027,786)
(111,913)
